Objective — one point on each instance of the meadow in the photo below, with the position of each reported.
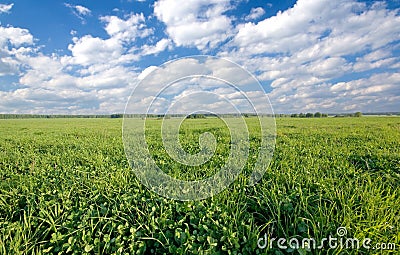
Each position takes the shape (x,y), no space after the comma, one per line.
(66,187)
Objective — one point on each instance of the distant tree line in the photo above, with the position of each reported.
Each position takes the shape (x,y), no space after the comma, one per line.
(190,116)
(196,116)
(312,115)
(356,114)
(309,115)
(323,115)
(53,116)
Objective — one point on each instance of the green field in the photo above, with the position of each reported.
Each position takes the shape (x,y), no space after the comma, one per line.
(67,188)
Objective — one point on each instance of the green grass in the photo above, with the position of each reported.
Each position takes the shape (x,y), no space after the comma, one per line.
(189,135)
(66,188)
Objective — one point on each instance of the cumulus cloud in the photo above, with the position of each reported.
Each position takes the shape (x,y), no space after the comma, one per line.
(381,58)
(146,72)
(8,66)
(127,29)
(82,10)
(286,31)
(5,8)
(374,94)
(321,55)
(97,76)
(117,49)
(195,23)
(197,82)
(160,46)
(301,50)
(89,50)
(48,84)
(14,42)
(79,11)
(255,13)
(15,36)
(319,28)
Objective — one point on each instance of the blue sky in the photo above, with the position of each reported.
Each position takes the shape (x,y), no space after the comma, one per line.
(83,57)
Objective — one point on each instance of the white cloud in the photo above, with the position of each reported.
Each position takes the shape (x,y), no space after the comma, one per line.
(112,78)
(320,28)
(45,101)
(47,72)
(5,8)
(102,89)
(307,56)
(291,30)
(14,42)
(82,10)
(79,11)
(15,36)
(146,72)
(376,83)
(300,50)
(197,80)
(195,23)
(330,67)
(255,13)
(374,94)
(94,79)
(376,59)
(116,49)
(160,46)
(89,50)
(127,30)
(8,66)
(377,55)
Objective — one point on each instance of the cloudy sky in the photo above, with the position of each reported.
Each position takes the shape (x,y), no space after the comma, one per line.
(82,57)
